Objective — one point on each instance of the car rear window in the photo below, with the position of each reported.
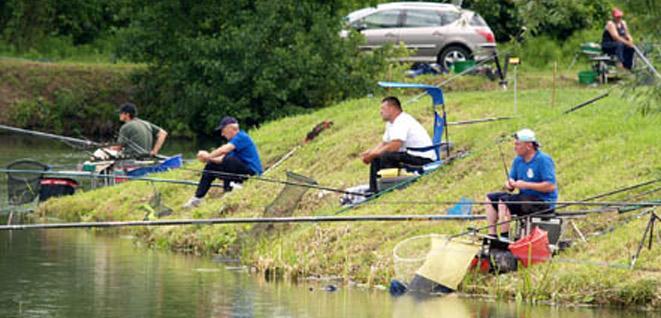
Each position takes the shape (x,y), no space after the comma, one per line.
(450,17)
(477,20)
(383,19)
(422,18)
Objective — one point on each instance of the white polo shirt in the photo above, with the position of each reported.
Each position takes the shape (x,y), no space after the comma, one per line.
(412,135)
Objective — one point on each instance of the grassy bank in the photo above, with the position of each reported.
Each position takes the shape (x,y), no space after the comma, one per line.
(596,149)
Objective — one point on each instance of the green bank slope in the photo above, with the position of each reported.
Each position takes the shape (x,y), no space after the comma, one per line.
(604,146)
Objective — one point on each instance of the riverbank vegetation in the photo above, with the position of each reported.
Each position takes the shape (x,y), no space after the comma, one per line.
(601,147)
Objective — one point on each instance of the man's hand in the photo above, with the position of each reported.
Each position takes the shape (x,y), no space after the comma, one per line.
(510,185)
(153,153)
(518,184)
(203,156)
(367,156)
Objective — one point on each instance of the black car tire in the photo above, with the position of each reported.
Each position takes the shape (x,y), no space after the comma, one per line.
(452,53)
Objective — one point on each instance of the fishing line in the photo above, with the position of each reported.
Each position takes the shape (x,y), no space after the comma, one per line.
(249,220)
(541,212)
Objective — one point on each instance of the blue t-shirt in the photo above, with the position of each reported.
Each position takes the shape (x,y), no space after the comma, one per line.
(246,151)
(540,168)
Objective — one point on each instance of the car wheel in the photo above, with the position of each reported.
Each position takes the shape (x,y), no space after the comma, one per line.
(453,54)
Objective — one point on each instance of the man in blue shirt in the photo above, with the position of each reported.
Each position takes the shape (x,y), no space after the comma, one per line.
(533,173)
(232,162)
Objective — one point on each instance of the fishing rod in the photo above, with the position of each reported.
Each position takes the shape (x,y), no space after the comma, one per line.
(250,220)
(646,61)
(473,231)
(582,203)
(476,121)
(102,176)
(585,103)
(272,180)
(64,139)
(502,158)
(175,181)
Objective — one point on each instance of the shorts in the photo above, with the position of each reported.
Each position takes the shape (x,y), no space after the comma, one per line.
(519,209)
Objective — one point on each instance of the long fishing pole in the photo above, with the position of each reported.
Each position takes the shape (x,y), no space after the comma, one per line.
(646,61)
(65,139)
(473,231)
(585,103)
(102,176)
(581,203)
(502,159)
(477,121)
(175,181)
(269,220)
(272,180)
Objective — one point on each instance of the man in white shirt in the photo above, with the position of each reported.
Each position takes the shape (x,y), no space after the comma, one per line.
(402,136)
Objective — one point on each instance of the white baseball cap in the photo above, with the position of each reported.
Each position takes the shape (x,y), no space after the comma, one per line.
(525,135)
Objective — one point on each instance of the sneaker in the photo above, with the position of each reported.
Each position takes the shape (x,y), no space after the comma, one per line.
(236,185)
(192,203)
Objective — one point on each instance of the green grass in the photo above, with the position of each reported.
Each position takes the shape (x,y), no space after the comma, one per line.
(599,148)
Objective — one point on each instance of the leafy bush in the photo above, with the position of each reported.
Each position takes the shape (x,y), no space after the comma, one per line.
(255,60)
(68,113)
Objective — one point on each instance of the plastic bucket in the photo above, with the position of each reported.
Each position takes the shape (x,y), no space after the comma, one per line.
(532,249)
(587,77)
(460,66)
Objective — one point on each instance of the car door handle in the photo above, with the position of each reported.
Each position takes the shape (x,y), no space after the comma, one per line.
(436,33)
(390,35)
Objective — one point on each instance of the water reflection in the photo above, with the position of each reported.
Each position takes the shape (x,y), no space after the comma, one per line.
(67,273)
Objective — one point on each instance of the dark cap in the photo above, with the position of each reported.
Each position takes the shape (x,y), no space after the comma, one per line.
(227,120)
(128,108)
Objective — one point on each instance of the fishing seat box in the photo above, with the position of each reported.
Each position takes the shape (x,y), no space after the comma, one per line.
(393,176)
(549,223)
(56,187)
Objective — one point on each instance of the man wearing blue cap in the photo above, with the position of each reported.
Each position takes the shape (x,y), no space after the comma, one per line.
(231,162)
(533,173)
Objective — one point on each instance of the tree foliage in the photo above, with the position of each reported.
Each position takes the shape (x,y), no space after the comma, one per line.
(255,60)
(24,23)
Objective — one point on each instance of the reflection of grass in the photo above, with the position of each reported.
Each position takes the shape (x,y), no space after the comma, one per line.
(599,148)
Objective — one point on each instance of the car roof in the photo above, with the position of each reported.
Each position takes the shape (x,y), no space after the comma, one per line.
(429,5)
(359,14)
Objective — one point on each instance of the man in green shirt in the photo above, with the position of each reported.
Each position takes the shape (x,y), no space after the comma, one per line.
(138,138)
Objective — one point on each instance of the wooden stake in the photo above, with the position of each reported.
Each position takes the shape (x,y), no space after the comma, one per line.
(555,71)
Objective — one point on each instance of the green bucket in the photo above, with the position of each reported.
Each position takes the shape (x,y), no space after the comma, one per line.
(587,77)
(460,66)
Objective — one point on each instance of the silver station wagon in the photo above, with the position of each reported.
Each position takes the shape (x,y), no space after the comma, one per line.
(433,32)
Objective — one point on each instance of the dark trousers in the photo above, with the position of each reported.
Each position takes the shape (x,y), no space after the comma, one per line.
(519,209)
(622,51)
(230,165)
(392,160)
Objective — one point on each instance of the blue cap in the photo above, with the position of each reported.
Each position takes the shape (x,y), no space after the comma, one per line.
(227,120)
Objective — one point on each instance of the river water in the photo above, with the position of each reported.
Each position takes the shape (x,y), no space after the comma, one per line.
(82,273)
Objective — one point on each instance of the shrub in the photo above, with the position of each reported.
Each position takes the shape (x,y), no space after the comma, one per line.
(255,60)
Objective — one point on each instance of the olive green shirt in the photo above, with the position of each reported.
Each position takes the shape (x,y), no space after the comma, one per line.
(137,137)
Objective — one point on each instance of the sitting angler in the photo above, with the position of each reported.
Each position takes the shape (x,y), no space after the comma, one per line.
(232,162)
(533,174)
(402,134)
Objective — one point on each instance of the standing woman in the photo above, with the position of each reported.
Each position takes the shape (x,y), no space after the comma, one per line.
(617,40)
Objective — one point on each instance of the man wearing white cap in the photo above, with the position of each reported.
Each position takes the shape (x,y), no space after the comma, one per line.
(533,174)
